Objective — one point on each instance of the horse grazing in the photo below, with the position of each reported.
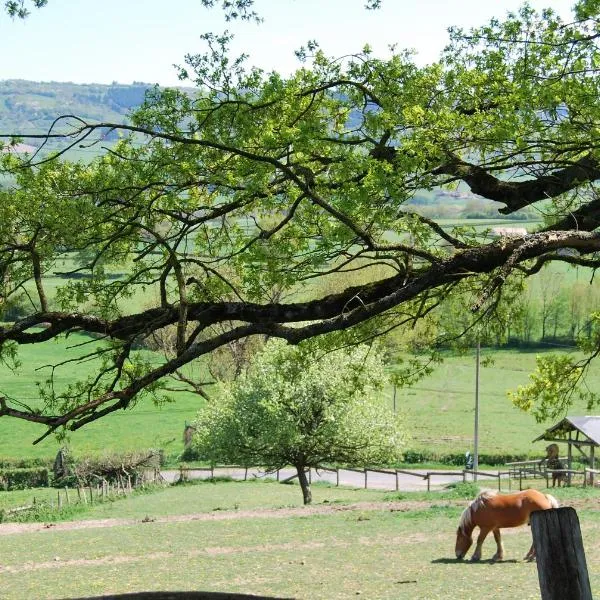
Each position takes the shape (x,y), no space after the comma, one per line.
(491,511)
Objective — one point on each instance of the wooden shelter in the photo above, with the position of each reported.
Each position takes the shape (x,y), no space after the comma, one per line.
(582,433)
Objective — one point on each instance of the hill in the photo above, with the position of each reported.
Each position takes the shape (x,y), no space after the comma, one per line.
(31,106)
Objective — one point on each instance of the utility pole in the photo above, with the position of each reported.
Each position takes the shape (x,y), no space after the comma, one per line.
(476,436)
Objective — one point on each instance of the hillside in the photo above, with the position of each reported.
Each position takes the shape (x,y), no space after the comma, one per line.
(30,107)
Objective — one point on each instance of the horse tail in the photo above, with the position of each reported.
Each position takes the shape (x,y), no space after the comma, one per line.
(553,501)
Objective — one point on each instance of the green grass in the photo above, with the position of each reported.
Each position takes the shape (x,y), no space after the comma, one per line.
(144,426)
(26,497)
(375,554)
(439,410)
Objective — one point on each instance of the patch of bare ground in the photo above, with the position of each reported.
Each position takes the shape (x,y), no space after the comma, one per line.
(262,513)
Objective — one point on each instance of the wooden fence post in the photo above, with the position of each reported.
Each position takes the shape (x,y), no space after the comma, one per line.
(562,569)
(397,482)
(365,478)
(520,480)
(337,476)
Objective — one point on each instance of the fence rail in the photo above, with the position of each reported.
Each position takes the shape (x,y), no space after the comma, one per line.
(426,476)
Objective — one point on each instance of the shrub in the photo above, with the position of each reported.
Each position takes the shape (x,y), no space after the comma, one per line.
(22,479)
(458,458)
(115,467)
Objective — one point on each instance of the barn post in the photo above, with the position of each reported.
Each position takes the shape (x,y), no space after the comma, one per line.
(561,564)
(592,464)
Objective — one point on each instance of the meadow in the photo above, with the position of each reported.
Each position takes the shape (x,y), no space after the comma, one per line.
(438,410)
(254,538)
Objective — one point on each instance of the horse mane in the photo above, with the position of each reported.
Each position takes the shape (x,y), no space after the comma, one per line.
(466,518)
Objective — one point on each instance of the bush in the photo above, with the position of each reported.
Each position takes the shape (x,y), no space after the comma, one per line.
(24,463)
(115,468)
(22,479)
(458,459)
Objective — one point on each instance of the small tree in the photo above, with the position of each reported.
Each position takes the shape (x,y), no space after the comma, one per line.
(302,406)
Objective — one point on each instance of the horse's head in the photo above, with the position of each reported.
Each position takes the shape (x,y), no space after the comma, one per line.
(463,543)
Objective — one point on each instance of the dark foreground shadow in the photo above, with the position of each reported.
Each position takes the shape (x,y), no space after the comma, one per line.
(451,561)
(178,596)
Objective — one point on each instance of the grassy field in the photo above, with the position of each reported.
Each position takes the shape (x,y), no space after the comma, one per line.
(329,551)
(144,426)
(438,410)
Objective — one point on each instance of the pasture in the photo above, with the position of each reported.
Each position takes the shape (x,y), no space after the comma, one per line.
(245,537)
(438,410)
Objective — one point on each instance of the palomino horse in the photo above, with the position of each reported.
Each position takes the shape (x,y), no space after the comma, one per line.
(491,511)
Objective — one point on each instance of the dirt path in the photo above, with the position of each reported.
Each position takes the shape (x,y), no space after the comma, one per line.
(264,513)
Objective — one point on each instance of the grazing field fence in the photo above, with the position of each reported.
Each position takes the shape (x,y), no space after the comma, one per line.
(426,478)
(103,491)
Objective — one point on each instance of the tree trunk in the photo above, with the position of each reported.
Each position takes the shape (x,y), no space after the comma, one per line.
(306,493)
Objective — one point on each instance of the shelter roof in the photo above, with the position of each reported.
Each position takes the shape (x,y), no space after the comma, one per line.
(589,426)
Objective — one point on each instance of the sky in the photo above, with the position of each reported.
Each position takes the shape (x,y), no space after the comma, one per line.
(101,41)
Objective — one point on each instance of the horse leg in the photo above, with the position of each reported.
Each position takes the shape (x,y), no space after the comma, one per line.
(499,547)
(531,554)
(483,531)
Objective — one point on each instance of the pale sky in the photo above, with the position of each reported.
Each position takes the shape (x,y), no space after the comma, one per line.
(100,41)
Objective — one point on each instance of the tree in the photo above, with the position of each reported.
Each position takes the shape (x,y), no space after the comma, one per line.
(302,406)
(258,181)
(18,8)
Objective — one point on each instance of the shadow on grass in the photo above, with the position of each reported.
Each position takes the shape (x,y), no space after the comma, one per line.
(178,596)
(450,561)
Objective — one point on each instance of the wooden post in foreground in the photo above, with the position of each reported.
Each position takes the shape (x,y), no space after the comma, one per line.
(562,570)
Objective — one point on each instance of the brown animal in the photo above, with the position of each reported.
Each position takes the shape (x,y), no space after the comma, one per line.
(553,463)
(491,511)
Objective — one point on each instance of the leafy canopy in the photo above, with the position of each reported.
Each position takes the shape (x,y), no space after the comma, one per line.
(277,206)
(302,406)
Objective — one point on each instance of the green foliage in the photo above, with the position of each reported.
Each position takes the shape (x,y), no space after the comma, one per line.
(18,8)
(557,380)
(457,459)
(233,207)
(302,406)
(24,478)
